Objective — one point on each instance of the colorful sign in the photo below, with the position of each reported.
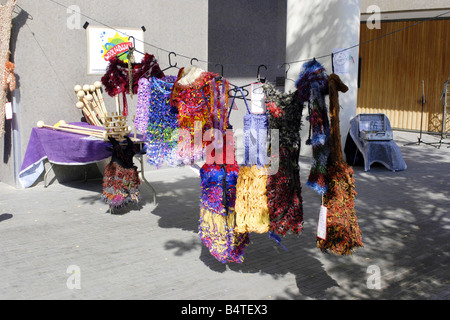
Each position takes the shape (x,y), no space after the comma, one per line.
(104,44)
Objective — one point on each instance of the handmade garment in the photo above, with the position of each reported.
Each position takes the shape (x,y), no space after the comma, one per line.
(217,228)
(199,97)
(252,212)
(117,79)
(121,179)
(312,86)
(217,213)
(343,234)
(157,119)
(6,12)
(283,187)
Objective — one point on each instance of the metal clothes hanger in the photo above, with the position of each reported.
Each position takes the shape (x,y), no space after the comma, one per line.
(131,49)
(288,67)
(258,76)
(170,62)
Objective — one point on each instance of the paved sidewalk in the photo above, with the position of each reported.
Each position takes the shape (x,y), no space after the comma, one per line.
(153,252)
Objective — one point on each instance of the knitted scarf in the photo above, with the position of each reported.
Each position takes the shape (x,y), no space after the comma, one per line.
(116,78)
(312,86)
(157,119)
(343,233)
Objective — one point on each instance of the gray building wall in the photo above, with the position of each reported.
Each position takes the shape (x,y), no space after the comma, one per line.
(51,59)
(242,35)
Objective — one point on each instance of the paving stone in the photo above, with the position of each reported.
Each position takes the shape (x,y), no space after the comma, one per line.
(153,251)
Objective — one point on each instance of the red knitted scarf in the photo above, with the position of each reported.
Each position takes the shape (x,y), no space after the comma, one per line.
(116,79)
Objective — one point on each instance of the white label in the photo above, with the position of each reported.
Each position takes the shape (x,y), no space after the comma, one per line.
(322,224)
(258,105)
(8,111)
(341,60)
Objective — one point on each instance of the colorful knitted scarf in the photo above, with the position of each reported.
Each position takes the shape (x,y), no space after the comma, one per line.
(312,86)
(157,119)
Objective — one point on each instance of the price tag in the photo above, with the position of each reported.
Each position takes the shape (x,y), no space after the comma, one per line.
(322,224)
(8,111)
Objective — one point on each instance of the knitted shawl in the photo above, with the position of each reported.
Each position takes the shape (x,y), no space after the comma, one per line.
(343,233)
(116,78)
(312,86)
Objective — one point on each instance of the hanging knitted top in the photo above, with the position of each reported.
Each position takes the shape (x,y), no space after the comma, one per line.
(252,212)
(116,78)
(284,110)
(255,136)
(312,86)
(157,119)
(283,187)
(200,102)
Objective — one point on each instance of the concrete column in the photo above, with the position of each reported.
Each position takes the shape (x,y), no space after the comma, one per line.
(314,29)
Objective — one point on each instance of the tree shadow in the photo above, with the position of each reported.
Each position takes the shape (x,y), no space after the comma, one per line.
(403,220)
(178,207)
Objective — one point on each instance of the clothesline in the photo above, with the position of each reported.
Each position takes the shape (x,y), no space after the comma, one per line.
(255,65)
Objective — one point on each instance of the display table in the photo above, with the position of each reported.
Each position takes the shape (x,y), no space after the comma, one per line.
(66,148)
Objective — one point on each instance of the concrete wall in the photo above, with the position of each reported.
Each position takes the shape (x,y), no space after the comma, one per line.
(242,36)
(51,58)
(314,29)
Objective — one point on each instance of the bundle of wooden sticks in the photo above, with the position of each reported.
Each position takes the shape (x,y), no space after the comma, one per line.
(90,101)
(63,126)
(115,127)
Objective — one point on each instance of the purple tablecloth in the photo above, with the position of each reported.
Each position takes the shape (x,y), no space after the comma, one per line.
(60,147)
